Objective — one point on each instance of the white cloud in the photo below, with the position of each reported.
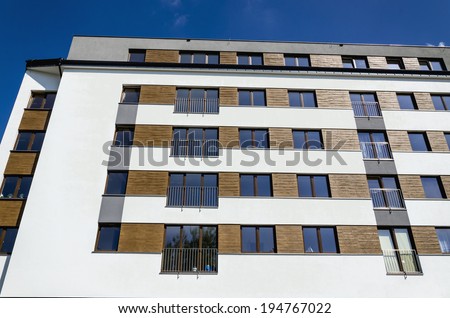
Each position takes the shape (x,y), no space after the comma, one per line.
(180,20)
(441,44)
(172,3)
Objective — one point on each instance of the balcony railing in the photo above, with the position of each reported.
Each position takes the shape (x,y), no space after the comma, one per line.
(366,109)
(192,196)
(195,148)
(387,198)
(376,150)
(197,105)
(401,262)
(189,260)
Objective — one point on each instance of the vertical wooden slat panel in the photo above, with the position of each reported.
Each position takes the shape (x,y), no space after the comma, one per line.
(156,94)
(333,99)
(289,239)
(326,60)
(399,140)
(285,185)
(411,187)
(424,101)
(162,56)
(277,97)
(34,119)
(426,239)
(388,100)
(228,58)
(340,139)
(10,211)
(229,238)
(228,96)
(358,239)
(349,186)
(281,138)
(229,137)
(141,238)
(275,59)
(152,136)
(22,163)
(411,63)
(229,184)
(437,141)
(378,62)
(147,182)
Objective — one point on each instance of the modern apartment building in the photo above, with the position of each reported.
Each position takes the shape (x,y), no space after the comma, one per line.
(207,168)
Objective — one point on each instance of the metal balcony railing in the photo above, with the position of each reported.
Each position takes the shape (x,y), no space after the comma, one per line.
(189,260)
(401,262)
(195,148)
(387,198)
(197,105)
(366,109)
(376,150)
(192,196)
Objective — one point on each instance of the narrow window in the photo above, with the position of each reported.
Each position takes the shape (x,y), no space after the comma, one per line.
(29,141)
(16,187)
(406,101)
(443,235)
(302,99)
(432,187)
(136,56)
(354,62)
(123,137)
(256,185)
(252,98)
(130,95)
(42,100)
(258,239)
(108,237)
(249,59)
(441,102)
(116,182)
(313,186)
(419,141)
(7,239)
(296,60)
(320,240)
(395,63)
(254,138)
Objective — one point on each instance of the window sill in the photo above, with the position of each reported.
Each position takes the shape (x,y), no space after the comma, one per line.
(189,273)
(39,109)
(12,199)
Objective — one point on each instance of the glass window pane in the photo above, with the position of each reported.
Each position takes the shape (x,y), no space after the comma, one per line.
(130,95)
(24,188)
(386,241)
(444,239)
(37,142)
(211,134)
(364,137)
(197,93)
(446,102)
(406,102)
(310,240)
(244,98)
(289,61)
(360,63)
(212,93)
(264,186)
(185,58)
(304,186)
(137,56)
(374,183)
(347,63)
(294,99)
(243,59)
(193,179)
(424,66)
(308,99)
(314,140)
(108,239)
(182,93)
(261,138)
(402,238)
(248,235)
(209,237)
(447,137)
(299,139)
(431,187)
(355,97)
(9,240)
(266,240)
(418,142)
(390,183)
(378,137)
(9,187)
(172,237)
(117,182)
(23,141)
(213,58)
(210,180)
(191,236)
(259,98)
(37,101)
(328,240)
(321,186)
(303,61)
(257,60)
(247,187)
(124,138)
(245,138)
(394,65)
(436,65)
(49,100)
(199,58)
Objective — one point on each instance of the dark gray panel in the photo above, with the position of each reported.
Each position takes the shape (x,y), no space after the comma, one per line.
(380,167)
(126,114)
(373,123)
(111,209)
(392,218)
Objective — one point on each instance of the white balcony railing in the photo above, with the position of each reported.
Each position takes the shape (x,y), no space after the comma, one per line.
(366,109)
(192,196)
(197,105)
(376,150)
(195,148)
(387,198)
(189,260)
(401,262)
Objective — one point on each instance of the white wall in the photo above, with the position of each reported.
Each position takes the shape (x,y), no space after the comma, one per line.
(417,120)
(422,163)
(429,212)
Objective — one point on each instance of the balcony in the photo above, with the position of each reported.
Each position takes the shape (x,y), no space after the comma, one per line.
(391,199)
(192,196)
(376,150)
(195,148)
(402,262)
(197,105)
(366,109)
(189,260)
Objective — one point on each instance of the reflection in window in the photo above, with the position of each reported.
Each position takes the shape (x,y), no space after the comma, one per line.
(319,240)
(192,190)
(256,185)
(123,137)
(29,141)
(136,56)
(309,139)
(130,95)
(7,239)
(190,236)
(419,142)
(296,60)
(108,237)
(313,186)
(406,101)
(116,182)
(16,187)
(354,62)
(432,187)
(395,63)
(199,57)
(254,138)
(302,99)
(258,239)
(196,142)
(443,235)
(441,102)
(42,100)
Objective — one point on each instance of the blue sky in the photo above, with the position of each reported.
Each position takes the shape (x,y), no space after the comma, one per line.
(44,29)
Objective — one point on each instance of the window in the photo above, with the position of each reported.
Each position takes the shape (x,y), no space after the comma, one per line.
(252,98)
(7,239)
(302,99)
(200,142)
(443,235)
(354,62)
(16,187)
(42,100)
(29,141)
(395,63)
(130,95)
(313,186)
(250,59)
(192,190)
(320,240)
(254,138)
(255,185)
(296,60)
(258,239)
(385,192)
(123,137)
(197,100)
(108,237)
(116,182)
(419,141)
(374,145)
(441,102)
(136,56)
(406,101)
(307,139)
(199,57)
(190,236)
(365,105)
(447,138)
(431,65)
(432,187)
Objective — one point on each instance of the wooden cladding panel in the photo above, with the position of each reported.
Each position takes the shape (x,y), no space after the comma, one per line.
(341,139)
(34,119)
(426,240)
(162,56)
(411,187)
(156,94)
(437,141)
(147,182)
(275,59)
(326,60)
(424,101)
(152,136)
(22,163)
(229,238)
(281,138)
(377,62)
(228,96)
(141,238)
(446,184)
(284,185)
(228,58)
(229,137)
(289,239)
(277,97)
(10,211)
(349,186)
(358,239)
(388,100)
(411,63)
(399,140)
(229,184)
(333,99)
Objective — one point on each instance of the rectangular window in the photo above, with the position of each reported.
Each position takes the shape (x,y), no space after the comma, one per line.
(123,137)
(258,239)
(296,60)
(197,100)
(108,237)
(29,141)
(190,236)
(385,192)
(256,185)
(447,138)
(16,187)
(406,101)
(433,188)
(320,240)
(116,182)
(7,239)
(395,63)
(354,62)
(130,95)
(249,59)
(307,139)
(302,99)
(136,56)
(441,102)
(197,142)
(254,138)
(252,97)
(42,100)
(443,235)
(313,186)
(431,65)
(374,145)
(365,105)
(199,57)
(192,190)
(419,141)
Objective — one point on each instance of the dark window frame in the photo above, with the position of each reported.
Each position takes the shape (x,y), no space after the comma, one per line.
(97,240)
(439,184)
(307,145)
(204,153)
(442,98)
(413,100)
(381,180)
(206,53)
(428,62)
(200,234)
(16,188)
(296,58)
(44,96)
(313,185)
(107,182)
(447,138)
(443,228)
(122,129)
(257,242)
(255,185)
(3,232)
(353,60)
(302,98)
(249,57)
(425,139)
(136,51)
(252,98)
(253,138)
(395,60)
(123,95)
(319,239)
(30,142)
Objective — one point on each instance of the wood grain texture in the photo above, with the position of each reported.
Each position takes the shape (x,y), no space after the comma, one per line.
(358,239)
(281,138)
(446,184)
(340,139)
(284,185)
(152,136)
(276,59)
(411,187)
(21,163)
(388,100)
(424,101)
(426,240)
(162,56)
(229,137)
(411,63)
(228,96)
(10,211)
(326,60)
(229,184)
(229,238)
(141,238)
(378,62)
(277,97)
(147,182)
(349,186)
(289,239)
(34,119)
(228,58)
(437,141)
(399,140)
(157,94)
(333,99)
